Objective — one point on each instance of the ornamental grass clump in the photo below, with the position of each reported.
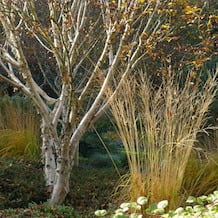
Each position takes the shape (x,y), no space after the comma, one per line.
(201,174)
(158,124)
(19,128)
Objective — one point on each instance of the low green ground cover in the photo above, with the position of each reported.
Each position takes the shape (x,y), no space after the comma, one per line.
(40,211)
(196,207)
(22,190)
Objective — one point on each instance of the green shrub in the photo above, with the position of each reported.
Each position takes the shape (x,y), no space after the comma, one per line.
(100,160)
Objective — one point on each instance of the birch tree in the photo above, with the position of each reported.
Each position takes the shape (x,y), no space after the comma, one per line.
(88,52)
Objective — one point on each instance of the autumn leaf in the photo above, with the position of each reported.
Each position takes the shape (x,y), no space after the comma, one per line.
(166,26)
(191,10)
(200,61)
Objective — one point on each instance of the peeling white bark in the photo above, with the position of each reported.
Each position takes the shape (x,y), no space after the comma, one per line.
(49,155)
(61,186)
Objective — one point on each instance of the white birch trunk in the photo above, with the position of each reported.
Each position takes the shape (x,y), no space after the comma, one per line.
(49,155)
(58,162)
(61,187)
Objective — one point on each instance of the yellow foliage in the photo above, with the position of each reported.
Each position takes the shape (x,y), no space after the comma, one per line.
(166,26)
(191,10)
